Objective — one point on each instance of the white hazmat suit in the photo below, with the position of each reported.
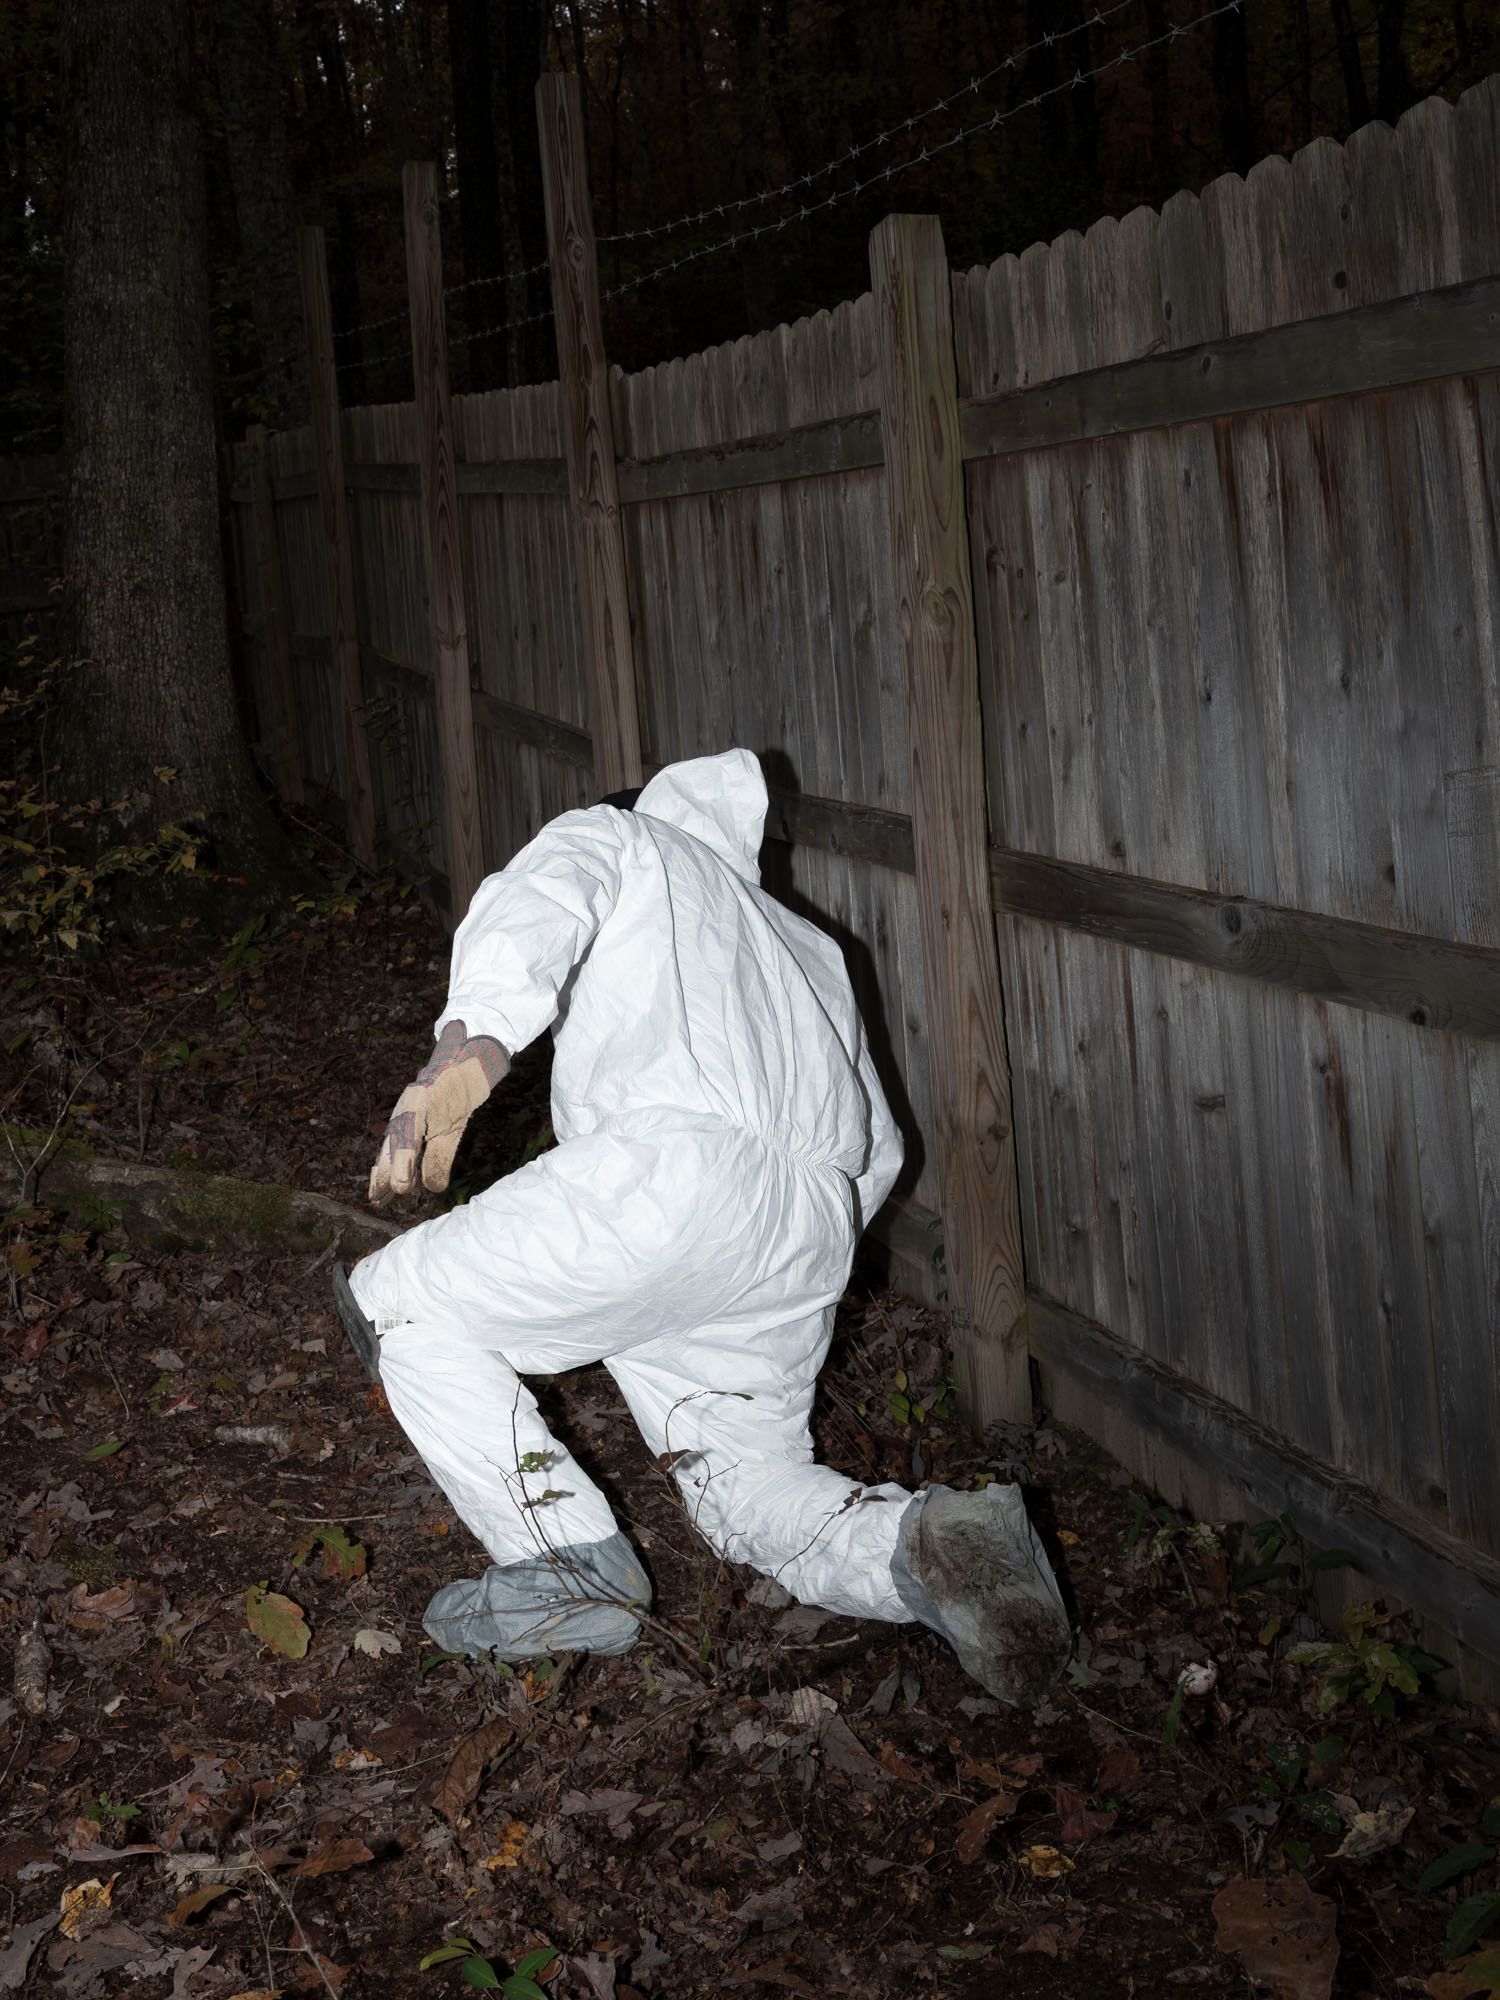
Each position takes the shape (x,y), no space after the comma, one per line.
(722,1140)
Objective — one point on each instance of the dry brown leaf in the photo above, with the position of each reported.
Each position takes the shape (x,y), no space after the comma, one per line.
(258,1993)
(33,1665)
(1371,1833)
(92,1612)
(512,1846)
(84,1905)
(1079,1820)
(459,1785)
(976,1829)
(1052,1939)
(1120,1771)
(896,1764)
(334,1856)
(1283,1933)
(196,1900)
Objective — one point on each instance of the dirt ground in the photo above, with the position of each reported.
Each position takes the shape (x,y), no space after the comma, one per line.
(759,1798)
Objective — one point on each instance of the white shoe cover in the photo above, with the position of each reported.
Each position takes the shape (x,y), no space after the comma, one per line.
(565,1601)
(970,1567)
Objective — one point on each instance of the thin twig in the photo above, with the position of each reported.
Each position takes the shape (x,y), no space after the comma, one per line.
(285,1902)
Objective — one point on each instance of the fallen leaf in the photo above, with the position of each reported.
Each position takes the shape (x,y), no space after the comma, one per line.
(334,1856)
(1119,1771)
(976,1829)
(1283,1933)
(91,1612)
(512,1846)
(196,1900)
(459,1785)
(15,1960)
(342,1558)
(374,1643)
(1052,1939)
(810,1705)
(1079,1820)
(84,1904)
(1373,1832)
(1476,1978)
(258,1993)
(1047,1863)
(277,1621)
(892,1761)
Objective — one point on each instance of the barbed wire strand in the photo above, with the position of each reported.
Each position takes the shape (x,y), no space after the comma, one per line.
(929,152)
(902,126)
(498,278)
(1175,33)
(896,131)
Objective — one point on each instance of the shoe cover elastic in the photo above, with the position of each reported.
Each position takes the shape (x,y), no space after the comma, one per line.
(970,1566)
(578,1600)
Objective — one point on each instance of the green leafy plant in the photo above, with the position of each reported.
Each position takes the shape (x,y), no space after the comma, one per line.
(106,1808)
(1467,1855)
(1469,1922)
(1367,1664)
(1281,1556)
(475,1970)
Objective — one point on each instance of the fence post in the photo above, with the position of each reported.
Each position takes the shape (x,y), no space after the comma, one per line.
(924,480)
(286,734)
(588,432)
(463,834)
(328,443)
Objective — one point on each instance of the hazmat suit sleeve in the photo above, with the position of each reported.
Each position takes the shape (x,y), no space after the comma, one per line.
(883,1161)
(530,924)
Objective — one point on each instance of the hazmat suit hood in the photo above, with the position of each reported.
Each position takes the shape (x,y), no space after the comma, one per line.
(719,800)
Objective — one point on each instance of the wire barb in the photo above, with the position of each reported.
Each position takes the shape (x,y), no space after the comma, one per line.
(988,123)
(846,159)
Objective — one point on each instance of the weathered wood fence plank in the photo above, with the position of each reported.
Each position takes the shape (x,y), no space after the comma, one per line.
(930,562)
(327,426)
(283,729)
(440,536)
(588,425)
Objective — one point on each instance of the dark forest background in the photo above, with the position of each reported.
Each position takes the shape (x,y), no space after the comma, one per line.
(309,107)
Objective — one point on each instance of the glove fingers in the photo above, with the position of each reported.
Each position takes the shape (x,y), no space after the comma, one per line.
(396,1163)
(437,1158)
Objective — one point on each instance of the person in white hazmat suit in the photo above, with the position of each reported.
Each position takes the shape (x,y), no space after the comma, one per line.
(722,1141)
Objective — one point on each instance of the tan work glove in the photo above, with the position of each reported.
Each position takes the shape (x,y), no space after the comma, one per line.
(431,1114)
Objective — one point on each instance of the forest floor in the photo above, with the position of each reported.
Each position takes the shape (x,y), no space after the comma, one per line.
(759,1798)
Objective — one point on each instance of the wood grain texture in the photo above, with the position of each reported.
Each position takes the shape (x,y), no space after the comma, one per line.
(285,736)
(338,543)
(930,563)
(589,433)
(463,839)
(1428,1568)
(1454,331)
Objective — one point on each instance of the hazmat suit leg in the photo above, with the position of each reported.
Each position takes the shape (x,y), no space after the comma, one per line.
(743,1459)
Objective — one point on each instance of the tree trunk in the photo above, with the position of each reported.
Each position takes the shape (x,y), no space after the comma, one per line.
(1394,92)
(1302,114)
(247,76)
(1356,96)
(478,206)
(757,260)
(1231,68)
(1164,174)
(516,31)
(150,719)
(495,52)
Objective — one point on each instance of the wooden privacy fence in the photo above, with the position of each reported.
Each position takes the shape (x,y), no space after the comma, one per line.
(1198,512)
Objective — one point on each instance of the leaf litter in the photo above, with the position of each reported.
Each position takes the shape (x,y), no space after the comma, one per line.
(231,1739)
